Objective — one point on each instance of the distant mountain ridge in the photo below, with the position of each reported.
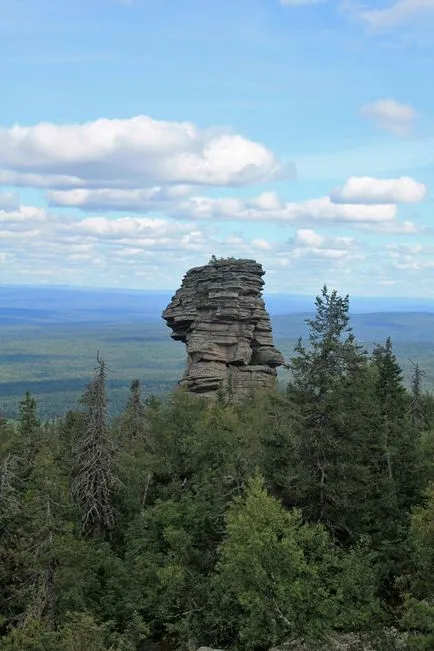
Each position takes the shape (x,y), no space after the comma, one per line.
(37,305)
(49,337)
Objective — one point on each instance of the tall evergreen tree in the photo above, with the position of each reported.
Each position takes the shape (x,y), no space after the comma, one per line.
(93,479)
(330,412)
(418,416)
(133,422)
(28,416)
(399,433)
(332,351)
(419,599)
(28,429)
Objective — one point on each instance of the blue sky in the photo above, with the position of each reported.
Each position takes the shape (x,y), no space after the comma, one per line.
(138,138)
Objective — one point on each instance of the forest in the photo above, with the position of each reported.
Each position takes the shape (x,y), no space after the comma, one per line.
(49,337)
(302,518)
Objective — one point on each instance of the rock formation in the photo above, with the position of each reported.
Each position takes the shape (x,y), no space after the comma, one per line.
(220,315)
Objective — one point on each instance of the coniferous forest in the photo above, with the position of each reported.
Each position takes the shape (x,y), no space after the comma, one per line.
(302,517)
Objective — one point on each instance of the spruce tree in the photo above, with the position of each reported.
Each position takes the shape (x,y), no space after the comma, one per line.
(28,417)
(417,409)
(419,598)
(133,422)
(93,479)
(330,413)
(399,431)
(28,430)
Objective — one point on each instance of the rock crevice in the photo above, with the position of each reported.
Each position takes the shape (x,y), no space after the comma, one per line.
(219,313)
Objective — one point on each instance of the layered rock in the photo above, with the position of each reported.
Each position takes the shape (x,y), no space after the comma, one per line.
(220,315)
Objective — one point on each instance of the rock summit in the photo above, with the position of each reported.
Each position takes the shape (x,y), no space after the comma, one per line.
(219,313)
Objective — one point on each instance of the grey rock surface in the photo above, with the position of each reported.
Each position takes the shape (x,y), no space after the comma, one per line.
(219,313)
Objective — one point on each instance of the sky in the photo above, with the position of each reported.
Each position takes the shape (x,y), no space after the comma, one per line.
(140,137)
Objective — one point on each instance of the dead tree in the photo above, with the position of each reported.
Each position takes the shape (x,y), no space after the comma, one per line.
(94,480)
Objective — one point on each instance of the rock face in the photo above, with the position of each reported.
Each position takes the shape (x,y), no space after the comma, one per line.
(220,315)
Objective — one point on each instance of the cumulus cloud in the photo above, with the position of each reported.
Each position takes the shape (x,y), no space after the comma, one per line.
(112,199)
(360,201)
(309,238)
(267,201)
(397,14)
(322,209)
(146,251)
(101,250)
(307,242)
(132,227)
(365,202)
(8,200)
(369,190)
(411,257)
(92,237)
(391,115)
(23,214)
(24,221)
(133,153)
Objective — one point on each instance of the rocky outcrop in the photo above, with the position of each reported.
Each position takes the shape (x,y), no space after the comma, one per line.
(220,315)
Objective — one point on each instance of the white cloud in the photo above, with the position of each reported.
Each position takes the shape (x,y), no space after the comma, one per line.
(126,251)
(132,153)
(411,257)
(112,199)
(132,227)
(29,180)
(267,201)
(262,245)
(141,251)
(319,252)
(391,115)
(359,202)
(307,243)
(306,237)
(391,228)
(362,202)
(8,200)
(398,13)
(369,190)
(24,214)
(24,222)
(322,209)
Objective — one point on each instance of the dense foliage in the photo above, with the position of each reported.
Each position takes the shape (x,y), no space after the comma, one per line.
(300,515)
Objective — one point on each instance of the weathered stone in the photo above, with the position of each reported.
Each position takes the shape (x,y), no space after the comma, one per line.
(220,315)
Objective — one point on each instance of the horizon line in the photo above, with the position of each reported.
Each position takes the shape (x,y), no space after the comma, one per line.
(171,291)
